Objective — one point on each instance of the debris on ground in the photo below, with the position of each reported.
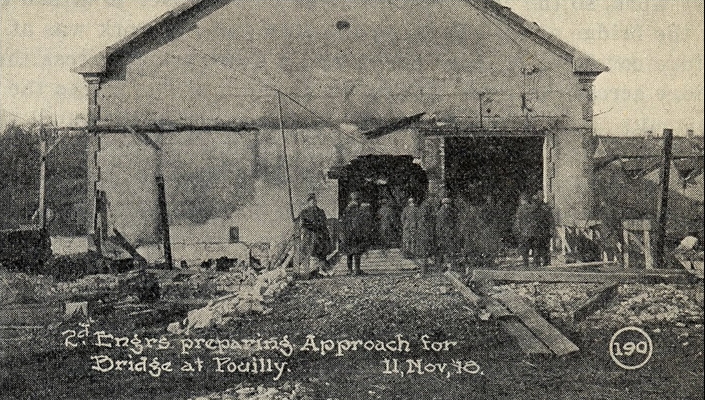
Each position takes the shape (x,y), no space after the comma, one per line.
(640,304)
(556,300)
(254,298)
(286,391)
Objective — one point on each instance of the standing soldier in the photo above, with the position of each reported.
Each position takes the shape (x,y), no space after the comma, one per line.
(427,229)
(354,242)
(315,238)
(387,225)
(409,222)
(543,216)
(523,228)
(445,234)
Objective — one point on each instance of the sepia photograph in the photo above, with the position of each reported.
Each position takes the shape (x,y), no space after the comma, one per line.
(351,199)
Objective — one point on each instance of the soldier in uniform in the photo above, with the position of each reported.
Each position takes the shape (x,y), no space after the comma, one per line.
(523,228)
(409,221)
(446,234)
(387,225)
(355,239)
(541,238)
(427,229)
(315,238)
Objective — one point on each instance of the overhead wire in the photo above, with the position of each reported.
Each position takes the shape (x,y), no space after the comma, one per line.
(232,68)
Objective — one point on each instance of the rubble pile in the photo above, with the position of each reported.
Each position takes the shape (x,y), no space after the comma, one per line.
(287,391)
(653,304)
(22,288)
(207,285)
(92,283)
(555,300)
(254,298)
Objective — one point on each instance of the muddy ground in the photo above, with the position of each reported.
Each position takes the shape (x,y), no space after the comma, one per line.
(365,308)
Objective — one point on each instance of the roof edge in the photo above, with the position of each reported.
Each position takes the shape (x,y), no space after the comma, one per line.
(97,64)
(582,63)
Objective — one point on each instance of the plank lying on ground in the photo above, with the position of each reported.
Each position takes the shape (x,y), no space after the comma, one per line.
(601,297)
(480,275)
(496,309)
(526,340)
(547,333)
(465,291)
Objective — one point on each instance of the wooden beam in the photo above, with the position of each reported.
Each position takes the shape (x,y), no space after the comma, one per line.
(662,209)
(465,291)
(544,331)
(527,341)
(602,296)
(164,222)
(170,129)
(125,244)
(665,276)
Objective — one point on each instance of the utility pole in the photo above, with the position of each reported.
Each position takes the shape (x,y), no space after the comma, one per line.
(286,157)
(662,209)
(41,210)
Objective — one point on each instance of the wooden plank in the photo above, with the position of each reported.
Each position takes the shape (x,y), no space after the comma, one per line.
(647,251)
(601,297)
(650,276)
(465,291)
(526,340)
(547,333)
(637,224)
(625,248)
(496,308)
(584,264)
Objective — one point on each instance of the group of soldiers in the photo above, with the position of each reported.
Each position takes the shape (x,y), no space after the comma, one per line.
(430,232)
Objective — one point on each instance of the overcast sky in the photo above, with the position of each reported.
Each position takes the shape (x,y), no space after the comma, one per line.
(653,47)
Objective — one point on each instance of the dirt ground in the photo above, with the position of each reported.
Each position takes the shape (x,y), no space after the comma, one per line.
(377,307)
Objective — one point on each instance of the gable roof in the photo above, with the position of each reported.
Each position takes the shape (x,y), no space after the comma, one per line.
(582,63)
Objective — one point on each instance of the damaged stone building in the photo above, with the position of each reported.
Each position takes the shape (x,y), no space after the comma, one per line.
(393,98)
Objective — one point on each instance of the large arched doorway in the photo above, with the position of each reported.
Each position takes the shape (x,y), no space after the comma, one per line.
(377,177)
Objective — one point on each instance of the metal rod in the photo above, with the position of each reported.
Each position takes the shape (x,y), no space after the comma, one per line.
(286,157)
(662,210)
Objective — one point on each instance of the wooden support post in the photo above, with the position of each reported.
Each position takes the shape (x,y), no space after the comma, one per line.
(625,249)
(648,259)
(41,211)
(164,222)
(662,210)
(100,222)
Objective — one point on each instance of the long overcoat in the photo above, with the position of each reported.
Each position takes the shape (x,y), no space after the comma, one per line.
(410,222)
(355,232)
(315,238)
(446,234)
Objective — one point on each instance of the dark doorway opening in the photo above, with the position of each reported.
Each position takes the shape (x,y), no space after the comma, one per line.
(377,177)
(491,172)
